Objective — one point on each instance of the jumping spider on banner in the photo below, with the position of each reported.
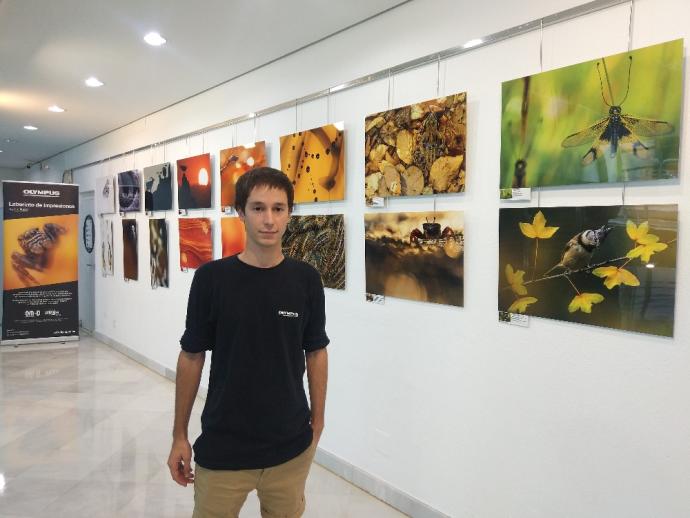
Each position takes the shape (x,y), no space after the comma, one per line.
(36,245)
(431,234)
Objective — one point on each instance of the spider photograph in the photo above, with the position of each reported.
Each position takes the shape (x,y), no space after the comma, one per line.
(40,251)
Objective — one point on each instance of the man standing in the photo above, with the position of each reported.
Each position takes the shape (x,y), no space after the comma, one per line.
(261,314)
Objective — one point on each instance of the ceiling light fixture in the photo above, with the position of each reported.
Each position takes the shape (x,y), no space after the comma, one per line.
(93,82)
(29,127)
(154,39)
(55,109)
(473,43)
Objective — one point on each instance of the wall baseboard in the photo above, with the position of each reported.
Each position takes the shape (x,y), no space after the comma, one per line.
(376,487)
(136,356)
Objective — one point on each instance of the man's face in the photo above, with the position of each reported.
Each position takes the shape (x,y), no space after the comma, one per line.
(265,216)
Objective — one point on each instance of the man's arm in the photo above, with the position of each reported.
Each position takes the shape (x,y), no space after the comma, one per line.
(317,375)
(189,367)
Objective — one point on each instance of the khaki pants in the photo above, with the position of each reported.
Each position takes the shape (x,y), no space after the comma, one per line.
(221,493)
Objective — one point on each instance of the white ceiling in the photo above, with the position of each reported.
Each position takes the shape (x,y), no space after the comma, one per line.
(49,47)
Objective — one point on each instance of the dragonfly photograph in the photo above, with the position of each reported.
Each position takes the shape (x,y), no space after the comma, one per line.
(609,120)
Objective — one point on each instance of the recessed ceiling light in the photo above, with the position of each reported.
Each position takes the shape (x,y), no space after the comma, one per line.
(93,82)
(55,109)
(472,43)
(30,128)
(0,150)
(155,39)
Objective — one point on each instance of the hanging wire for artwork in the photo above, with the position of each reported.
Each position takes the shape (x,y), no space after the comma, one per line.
(518,30)
(630,24)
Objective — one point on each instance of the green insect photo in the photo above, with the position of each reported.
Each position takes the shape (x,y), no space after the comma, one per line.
(613,119)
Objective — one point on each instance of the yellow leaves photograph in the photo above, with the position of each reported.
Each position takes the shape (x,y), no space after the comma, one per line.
(640,234)
(615,276)
(583,302)
(520,305)
(611,265)
(538,229)
(645,252)
(647,244)
(516,280)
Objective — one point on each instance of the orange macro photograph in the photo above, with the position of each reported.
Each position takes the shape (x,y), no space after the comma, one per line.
(196,242)
(40,251)
(314,160)
(234,162)
(232,236)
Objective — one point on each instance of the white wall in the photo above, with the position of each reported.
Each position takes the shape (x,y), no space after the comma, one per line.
(13,174)
(473,417)
(8,174)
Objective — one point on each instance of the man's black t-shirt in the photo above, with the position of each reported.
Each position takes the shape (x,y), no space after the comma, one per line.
(258,322)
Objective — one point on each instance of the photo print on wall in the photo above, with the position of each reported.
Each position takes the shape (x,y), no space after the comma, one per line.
(612,266)
(416,255)
(158,187)
(194,178)
(196,242)
(417,149)
(234,162)
(314,160)
(105,195)
(612,119)
(158,246)
(107,253)
(130,254)
(232,236)
(129,191)
(319,241)
(40,251)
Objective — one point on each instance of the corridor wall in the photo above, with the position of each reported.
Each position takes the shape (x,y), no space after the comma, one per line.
(467,416)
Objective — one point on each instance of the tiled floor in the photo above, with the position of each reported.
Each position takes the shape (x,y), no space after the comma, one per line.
(85,432)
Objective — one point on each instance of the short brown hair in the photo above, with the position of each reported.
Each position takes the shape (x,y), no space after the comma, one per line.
(262,177)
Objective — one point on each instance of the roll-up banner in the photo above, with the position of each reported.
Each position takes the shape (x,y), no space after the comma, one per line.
(41,265)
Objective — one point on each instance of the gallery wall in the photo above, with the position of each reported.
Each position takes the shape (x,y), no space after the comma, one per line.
(11,175)
(474,417)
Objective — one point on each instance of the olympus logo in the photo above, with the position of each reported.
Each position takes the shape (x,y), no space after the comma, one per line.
(288,314)
(37,192)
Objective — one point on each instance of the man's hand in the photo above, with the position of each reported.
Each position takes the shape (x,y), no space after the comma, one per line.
(318,430)
(317,374)
(180,462)
(189,366)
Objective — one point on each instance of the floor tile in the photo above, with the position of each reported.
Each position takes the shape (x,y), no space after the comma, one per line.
(86,431)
